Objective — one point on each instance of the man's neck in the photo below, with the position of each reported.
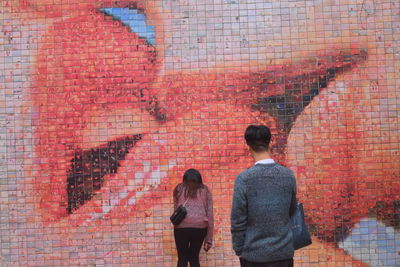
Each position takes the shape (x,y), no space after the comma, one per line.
(261,155)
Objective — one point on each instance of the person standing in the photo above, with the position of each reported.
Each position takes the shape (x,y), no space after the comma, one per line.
(198,225)
(264,199)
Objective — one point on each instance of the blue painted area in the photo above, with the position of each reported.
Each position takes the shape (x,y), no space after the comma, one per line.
(373,242)
(134,20)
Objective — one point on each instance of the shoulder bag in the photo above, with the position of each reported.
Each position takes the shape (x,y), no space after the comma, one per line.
(179,214)
(301,236)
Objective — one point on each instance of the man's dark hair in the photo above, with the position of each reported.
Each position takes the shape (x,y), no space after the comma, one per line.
(258,137)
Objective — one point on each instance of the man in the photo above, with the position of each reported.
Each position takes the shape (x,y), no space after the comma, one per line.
(263,200)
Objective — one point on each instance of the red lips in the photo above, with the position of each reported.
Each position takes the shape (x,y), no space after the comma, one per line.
(95,77)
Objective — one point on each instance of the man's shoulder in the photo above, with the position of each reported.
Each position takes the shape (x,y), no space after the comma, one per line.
(276,169)
(243,176)
(284,170)
(246,173)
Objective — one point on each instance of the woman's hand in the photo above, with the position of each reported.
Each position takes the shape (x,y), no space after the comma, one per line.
(207,246)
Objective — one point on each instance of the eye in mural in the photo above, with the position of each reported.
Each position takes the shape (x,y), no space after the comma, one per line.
(135,20)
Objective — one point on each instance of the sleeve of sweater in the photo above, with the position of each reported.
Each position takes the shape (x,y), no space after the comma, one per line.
(210,216)
(293,204)
(239,216)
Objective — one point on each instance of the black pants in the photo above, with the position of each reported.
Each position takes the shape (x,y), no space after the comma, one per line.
(282,263)
(188,243)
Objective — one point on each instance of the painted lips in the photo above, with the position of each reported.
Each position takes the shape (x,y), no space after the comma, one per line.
(89,167)
(91,65)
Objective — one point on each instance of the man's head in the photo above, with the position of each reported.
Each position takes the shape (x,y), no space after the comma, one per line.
(258,138)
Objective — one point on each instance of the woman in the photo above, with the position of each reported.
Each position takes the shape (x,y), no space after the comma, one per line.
(198,224)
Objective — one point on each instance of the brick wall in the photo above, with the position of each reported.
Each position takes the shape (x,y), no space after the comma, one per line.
(105,104)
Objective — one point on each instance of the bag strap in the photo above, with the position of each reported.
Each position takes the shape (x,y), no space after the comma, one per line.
(185,202)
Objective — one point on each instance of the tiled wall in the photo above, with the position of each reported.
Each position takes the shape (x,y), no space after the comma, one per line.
(104,104)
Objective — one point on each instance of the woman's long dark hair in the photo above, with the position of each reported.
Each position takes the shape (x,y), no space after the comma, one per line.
(192,182)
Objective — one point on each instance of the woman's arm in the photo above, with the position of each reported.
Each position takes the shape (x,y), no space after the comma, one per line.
(210,216)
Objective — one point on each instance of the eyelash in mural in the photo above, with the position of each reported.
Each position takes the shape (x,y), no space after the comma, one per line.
(135,20)
(88,168)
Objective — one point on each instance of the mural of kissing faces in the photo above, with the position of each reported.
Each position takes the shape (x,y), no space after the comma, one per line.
(106,103)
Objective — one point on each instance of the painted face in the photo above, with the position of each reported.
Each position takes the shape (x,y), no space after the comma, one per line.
(127,95)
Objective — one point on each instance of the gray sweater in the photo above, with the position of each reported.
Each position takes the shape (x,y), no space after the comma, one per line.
(263,200)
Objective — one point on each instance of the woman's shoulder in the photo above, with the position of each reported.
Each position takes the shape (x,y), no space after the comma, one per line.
(178,187)
(205,189)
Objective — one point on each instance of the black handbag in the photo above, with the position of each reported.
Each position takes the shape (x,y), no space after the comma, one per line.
(301,236)
(179,214)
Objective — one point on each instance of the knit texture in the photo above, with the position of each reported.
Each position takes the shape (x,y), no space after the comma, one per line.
(199,210)
(264,197)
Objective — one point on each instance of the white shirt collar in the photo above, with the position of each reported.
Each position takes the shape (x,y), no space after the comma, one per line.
(265,161)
